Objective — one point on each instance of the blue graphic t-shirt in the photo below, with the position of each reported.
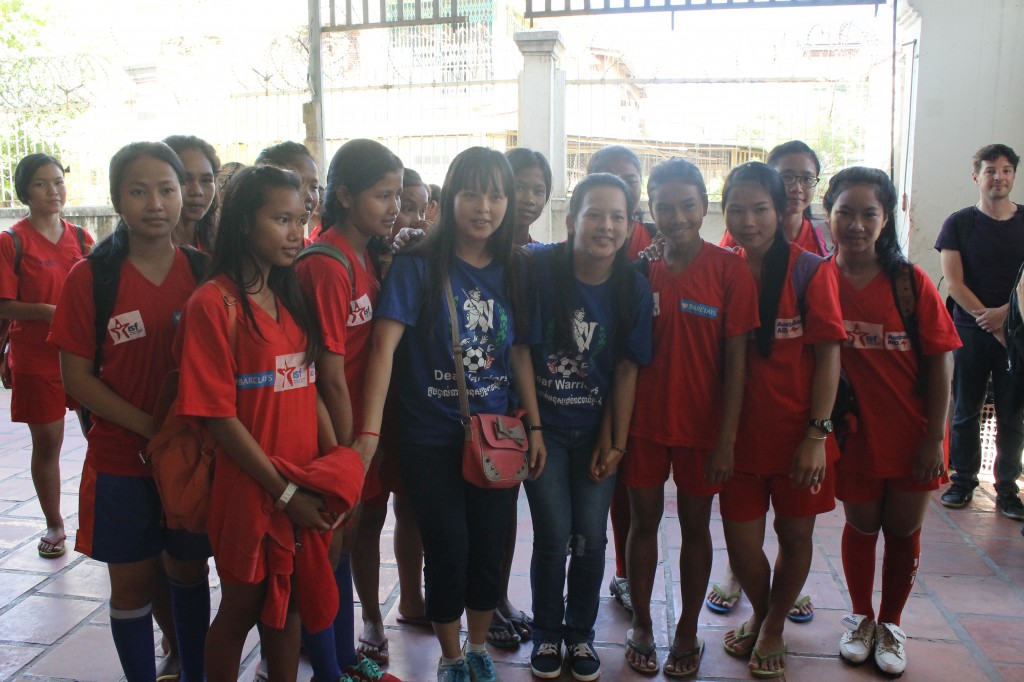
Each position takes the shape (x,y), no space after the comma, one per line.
(571,386)
(428,394)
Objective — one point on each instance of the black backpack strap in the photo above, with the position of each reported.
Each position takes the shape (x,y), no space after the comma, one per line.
(331,251)
(17,250)
(106,277)
(80,236)
(904,295)
(198,261)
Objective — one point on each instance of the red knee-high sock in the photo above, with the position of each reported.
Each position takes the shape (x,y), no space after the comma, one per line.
(899,569)
(859,567)
(620,525)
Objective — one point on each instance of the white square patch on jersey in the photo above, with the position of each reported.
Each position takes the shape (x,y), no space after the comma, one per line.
(126,327)
(360,311)
(290,373)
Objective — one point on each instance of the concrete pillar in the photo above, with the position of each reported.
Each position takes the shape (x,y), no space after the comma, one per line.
(542,119)
(969,92)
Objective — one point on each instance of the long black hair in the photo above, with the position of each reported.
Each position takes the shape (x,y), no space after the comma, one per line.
(244,196)
(794,147)
(776,260)
(482,169)
(27,168)
(564,283)
(111,251)
(887,247)
(206,225)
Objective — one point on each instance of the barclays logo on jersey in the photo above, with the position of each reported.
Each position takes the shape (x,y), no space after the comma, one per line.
(126,327)
(701,309)
(254,380)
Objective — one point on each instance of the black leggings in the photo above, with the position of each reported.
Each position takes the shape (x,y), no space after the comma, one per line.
(463,529)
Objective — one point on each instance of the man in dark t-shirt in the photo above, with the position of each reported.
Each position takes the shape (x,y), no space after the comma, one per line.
(980,259)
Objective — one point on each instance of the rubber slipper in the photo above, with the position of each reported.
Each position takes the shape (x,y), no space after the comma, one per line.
(375,651)
(523,625)
(502,634)
(677,656)
(415,621)
(799,605)
(734,597)
(649,652)
(741,635)
(51,549)
(761,658)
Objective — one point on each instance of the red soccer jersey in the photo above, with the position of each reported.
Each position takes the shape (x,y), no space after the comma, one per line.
(777,396)
(638,241)
(680,398)
(345,312)
(264,381)
(805,240)
(136,353)
(44,267)
(883,368)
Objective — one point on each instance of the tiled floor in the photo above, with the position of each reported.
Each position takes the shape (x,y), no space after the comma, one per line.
(965,617)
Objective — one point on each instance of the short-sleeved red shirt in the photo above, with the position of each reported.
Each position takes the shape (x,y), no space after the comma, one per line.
(883,368)
(777,396)
(136,353)
(44,267)
(264,381)
(679,401)
(806,239)
(639,240)
(345,311)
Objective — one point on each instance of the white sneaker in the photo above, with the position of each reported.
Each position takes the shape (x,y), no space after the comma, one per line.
(890,656)
(857,642)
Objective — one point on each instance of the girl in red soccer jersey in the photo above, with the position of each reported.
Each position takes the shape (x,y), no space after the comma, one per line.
(29,289)
(706,302)
(295,157)
(199,209)
(248,374)
(784,449)
(799,168)
(899,371)
(146,282)
(463,527)
(364,184)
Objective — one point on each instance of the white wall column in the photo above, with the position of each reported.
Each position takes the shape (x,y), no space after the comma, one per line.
(969,93)
(542,119)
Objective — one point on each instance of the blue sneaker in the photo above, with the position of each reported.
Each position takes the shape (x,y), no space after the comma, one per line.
(546,660)
(481,668)
(458,672)
(583,662)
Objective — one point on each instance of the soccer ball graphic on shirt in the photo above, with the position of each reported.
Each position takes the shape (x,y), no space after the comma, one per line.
(474,359)
(566,367)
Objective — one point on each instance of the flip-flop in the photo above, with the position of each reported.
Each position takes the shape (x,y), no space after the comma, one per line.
(697,651)
(375,651)
(51,549)
(734,597)
(741,636)
(523,625)
(415,621)
(761,658)
(503,627)
(650,653)
(799,604)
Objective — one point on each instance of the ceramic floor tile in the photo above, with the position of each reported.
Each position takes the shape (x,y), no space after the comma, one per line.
(86,579)
(999,639)
(88,655)
(26,558)
(952,559)
(43,620)
(32,510)
(14,658)
(15,531)
(17,489)
(1011,673)
(983,595)
(13,585)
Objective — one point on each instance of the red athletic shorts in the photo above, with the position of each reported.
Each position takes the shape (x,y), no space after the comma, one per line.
(648,465)
(854,487)
(745,497)
(39,399)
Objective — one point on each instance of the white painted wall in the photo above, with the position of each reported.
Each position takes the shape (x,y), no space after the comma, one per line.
(970,92)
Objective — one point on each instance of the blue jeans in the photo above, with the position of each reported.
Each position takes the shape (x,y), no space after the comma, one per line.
(980,356)
(570,518)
